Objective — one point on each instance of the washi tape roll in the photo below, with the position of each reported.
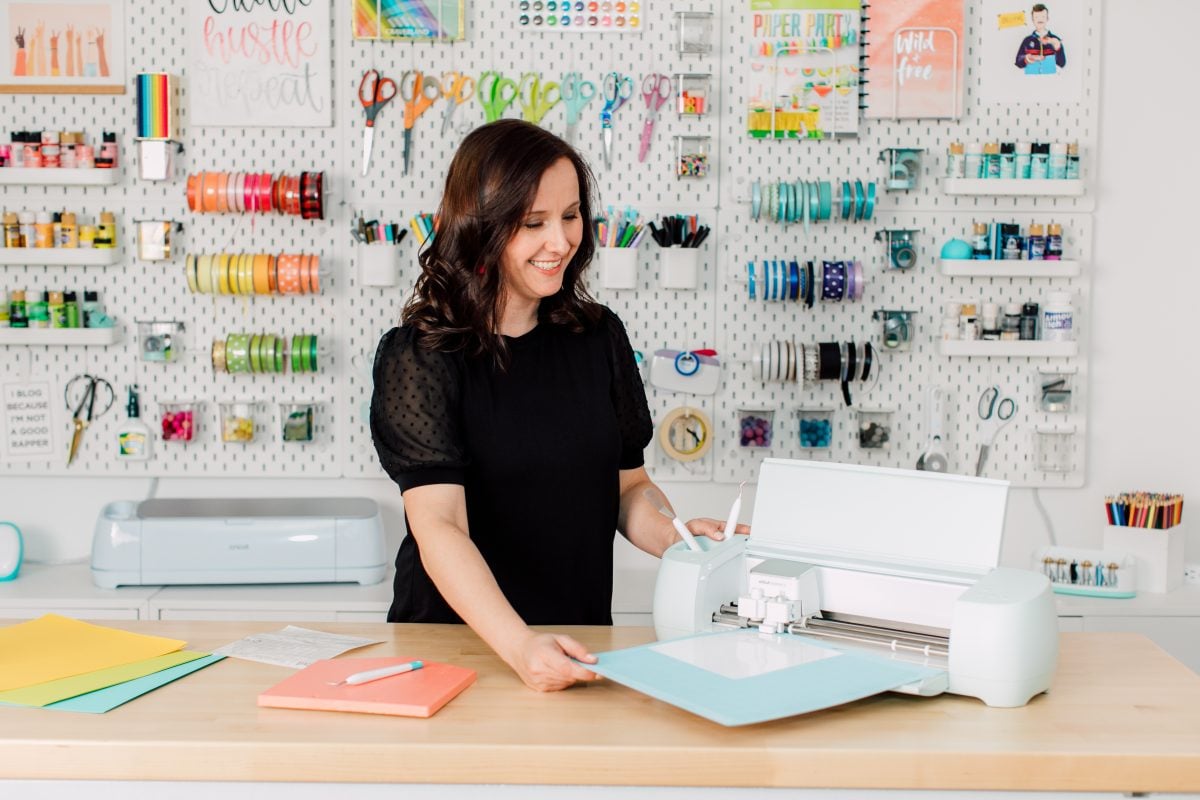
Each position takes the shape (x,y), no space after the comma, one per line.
(237,353)
(189,273)
(193,192)
(218,355)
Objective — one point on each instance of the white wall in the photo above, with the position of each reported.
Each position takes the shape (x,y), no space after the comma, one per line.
(1143,432)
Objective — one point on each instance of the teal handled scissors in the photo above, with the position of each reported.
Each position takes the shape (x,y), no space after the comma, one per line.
(996,412)
(576,93)
(537,98)
(496,93)
(656,89)
(81,395)
(457,88)
(380,93)
(618,89)
(418,94)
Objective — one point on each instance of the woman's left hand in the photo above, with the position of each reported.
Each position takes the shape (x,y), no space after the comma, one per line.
(714,528)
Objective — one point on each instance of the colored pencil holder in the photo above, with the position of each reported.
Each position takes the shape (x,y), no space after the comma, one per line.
(618,267)
(378,264)
(680,267)
(1159,554)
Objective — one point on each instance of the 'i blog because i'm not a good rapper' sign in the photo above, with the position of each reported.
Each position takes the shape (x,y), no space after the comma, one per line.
(260,63)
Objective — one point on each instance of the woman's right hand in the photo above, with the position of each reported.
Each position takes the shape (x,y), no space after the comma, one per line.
(543,662)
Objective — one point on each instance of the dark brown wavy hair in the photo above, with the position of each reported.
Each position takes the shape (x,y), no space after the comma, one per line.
(491,185)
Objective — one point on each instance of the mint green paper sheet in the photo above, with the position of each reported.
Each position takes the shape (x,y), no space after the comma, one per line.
(43,694)
(104,700)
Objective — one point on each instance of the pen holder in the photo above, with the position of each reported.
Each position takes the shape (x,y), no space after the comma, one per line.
(1159,554)
(378,264)
(618,267)
(680,267)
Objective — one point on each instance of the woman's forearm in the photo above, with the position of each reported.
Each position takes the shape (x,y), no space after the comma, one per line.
(640,520)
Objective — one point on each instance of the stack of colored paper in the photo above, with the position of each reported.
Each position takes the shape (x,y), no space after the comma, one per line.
(64,664)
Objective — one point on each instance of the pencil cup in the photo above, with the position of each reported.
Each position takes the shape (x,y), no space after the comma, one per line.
(618,267)
(1159,554)
(378,264)
(680,267)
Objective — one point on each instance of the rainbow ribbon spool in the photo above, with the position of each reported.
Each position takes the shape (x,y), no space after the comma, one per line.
(156,109)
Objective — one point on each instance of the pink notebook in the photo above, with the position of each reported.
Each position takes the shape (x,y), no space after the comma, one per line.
(419,693)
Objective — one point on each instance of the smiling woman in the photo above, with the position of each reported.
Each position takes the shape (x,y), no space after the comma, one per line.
(510,411)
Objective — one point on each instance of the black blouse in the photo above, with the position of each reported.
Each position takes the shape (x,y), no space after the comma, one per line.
(537,448)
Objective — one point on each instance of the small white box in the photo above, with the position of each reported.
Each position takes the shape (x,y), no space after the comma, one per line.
(680,267)
(378,264)
(1159,554)
(618,267)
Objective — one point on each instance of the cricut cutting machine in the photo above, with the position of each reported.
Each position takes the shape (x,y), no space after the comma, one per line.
(239,540)
(897,563)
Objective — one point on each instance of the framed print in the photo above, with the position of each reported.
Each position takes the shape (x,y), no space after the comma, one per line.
(425,20)
(62,47)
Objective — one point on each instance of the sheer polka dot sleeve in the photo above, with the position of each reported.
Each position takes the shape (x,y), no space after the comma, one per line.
(628,396)
(415,411)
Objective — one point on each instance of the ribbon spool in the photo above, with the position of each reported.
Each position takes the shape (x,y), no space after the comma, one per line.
(685,434)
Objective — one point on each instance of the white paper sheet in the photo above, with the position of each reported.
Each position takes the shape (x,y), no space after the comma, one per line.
(292,646)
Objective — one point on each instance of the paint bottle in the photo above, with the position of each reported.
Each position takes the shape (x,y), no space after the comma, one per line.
(3,309)
(68,232)
(1029,321)
(58,310)
(28,231)
(106,235)
(1010,326)
(43,230)
(17,316)
(991,160)
(1058,161)
(16,149)
(973,160)
(1054,242)
(51,150)
(67,158)
(968,322)
(12,229)
(1022,159)
(980,250)
(1073,161)
(1039,161)
(84,156)
(92,313)
(1058,318)
(71,302)
(39,311)
(87,236)
(1008,160)
(133,438)
(956,161)
(1035,244)
(108,151)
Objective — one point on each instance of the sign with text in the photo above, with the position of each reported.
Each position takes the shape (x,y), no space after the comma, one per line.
(260,63)
(28,421)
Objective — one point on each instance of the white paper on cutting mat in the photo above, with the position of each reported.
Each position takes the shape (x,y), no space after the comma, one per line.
(748,657)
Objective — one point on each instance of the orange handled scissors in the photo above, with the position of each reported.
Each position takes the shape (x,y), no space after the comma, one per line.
(418,94)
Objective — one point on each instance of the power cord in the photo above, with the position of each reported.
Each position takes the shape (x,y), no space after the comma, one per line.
(1037,501)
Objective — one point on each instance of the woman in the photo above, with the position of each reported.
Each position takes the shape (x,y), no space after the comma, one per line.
(509,409)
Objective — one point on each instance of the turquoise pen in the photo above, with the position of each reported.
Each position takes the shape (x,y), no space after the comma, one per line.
(383,672)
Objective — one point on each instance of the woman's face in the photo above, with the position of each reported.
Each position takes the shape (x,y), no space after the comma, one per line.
(533,263)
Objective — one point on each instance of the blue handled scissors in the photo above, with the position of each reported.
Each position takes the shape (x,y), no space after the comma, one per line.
(537,98)
(618,89)
(457,88)
(380,93)
(576,93)
(995,411)
(418,95)
(496,93)
(656,88)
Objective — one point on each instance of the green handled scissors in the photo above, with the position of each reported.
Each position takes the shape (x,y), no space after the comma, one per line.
(496,93)
(537,98)
(576,93)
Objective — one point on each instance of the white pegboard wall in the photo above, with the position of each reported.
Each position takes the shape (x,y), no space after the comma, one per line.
(350,317)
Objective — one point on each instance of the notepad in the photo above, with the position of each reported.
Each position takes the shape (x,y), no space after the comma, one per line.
(419,693)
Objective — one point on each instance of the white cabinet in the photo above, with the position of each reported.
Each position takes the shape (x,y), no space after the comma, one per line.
(67,589)
(1171,620)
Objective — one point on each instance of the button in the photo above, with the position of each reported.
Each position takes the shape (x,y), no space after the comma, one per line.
(537,20)
(592,21)
(524,19)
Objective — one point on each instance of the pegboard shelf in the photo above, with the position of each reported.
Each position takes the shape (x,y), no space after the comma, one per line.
(63,336)
(1014,186)
(970,268)
(40,176)
(1019,349)
(60,256)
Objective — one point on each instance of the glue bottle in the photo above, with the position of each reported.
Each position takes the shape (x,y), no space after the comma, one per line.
(133,438)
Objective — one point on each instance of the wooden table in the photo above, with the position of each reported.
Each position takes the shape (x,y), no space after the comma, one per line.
(1123,716)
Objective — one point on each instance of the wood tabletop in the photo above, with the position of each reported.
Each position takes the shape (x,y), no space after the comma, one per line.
(1122,716)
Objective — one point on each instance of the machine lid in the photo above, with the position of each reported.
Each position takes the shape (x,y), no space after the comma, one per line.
(876,515)
(177,507)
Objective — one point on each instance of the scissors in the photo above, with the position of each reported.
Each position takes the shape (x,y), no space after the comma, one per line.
(656,88)
(618,89)
(381,93)
(576,93)
(457,88)
(80,396)
(418,94)
(496,94)
(536,97)
(995,411)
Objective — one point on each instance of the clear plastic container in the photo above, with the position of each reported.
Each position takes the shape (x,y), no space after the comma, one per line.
(179,420)
(237,422)
(296,421)
(1054,450)
(1055,390)
(692,156)
(694,94)
(695,29)
(816,428)
(874,428)
(756,427)
(160,341)
(896,326)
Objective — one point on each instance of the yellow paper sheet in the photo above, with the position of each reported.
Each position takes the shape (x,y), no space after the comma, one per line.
(52,647)
(43,694)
